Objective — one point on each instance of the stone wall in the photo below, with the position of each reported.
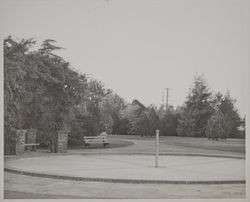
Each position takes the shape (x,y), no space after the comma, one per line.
(62,141)
(9,141)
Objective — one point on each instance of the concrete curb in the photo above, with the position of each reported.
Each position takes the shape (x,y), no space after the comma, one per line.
(44,175)
(15,157)
(165,154)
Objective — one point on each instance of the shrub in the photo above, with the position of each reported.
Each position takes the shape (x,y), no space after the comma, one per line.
(217,127)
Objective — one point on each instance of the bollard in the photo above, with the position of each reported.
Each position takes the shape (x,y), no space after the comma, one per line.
(157,148)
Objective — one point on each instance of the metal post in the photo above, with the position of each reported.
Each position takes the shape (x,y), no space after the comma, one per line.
(157,148)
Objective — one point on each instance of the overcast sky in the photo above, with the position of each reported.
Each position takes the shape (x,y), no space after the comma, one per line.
(138,47)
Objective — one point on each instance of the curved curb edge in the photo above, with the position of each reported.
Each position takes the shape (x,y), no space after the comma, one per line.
(165,154)
(121,180)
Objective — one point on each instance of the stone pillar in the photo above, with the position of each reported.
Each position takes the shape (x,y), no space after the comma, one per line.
(31,135)
(20,141)
(62,141)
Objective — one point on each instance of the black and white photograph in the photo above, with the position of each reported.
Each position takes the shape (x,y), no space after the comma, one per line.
(124,99)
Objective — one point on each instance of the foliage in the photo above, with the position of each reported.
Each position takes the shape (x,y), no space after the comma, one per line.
(41,91)
(186,125)
(15,94)
(143,125)
(121,126)
(217,127)
(141,120)
(86,125)
(154,119)
(168,124)
(225,104)
(131,113)
(200,107)
(110,108)
(167,120)
(197,110)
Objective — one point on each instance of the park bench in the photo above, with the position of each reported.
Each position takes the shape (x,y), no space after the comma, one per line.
(32,146)
(102,138)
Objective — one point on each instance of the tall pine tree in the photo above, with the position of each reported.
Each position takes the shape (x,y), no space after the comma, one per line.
(197,110)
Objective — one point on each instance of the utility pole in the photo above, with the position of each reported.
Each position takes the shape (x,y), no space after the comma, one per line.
(167,100)
(167,96)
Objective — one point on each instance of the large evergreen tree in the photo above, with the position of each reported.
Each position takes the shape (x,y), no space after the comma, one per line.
(197,110)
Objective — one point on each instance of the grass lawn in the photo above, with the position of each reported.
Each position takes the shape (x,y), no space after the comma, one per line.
(114,143)
(193,144)
(232,145)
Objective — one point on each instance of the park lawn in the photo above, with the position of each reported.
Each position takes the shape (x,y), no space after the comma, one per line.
(114,143)
(176,143)
(231,145)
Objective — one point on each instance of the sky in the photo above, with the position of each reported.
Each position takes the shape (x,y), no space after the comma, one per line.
(139,47)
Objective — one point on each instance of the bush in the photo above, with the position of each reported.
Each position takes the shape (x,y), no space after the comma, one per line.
(83,126)
(143,126)
(168,124)
(217,127)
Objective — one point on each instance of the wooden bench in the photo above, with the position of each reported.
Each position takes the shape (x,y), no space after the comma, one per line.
(96,139)
(32,146)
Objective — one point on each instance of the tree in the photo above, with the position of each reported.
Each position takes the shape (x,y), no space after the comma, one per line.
(131,114)
(217,127)
(186,125)
(197,110)
(154,119)
(42,91)
(161,111)
(143,125)
(141,120)
(225,104)
(63,89)
(84,124)
(15,94)
(167,120)
(168,124)
(110,107)
(96,92)
(40,88)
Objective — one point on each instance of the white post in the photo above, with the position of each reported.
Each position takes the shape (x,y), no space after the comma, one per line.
(157,148)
